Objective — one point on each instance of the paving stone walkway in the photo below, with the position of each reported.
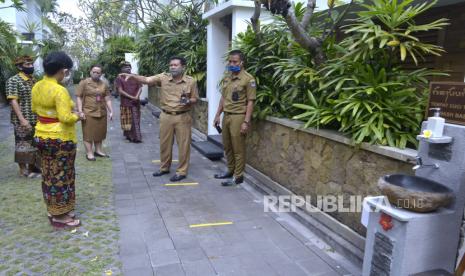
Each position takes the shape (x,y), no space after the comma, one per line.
(156,220)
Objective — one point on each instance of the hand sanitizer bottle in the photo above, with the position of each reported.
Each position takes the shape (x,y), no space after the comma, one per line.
(436,123)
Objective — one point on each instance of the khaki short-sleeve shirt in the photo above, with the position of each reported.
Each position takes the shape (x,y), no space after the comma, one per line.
(237,90)
(171,91)
(93,95)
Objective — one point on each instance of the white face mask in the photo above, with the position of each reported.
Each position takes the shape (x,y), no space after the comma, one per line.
(96,78)
(65,80)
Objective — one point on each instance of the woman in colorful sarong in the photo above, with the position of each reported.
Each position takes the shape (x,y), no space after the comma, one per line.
(55,137)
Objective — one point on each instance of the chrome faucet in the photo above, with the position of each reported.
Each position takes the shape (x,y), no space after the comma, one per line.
(420,164)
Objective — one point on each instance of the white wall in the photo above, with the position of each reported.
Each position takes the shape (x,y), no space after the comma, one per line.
(19,18)
(31,15)
(240,16)
(217,46)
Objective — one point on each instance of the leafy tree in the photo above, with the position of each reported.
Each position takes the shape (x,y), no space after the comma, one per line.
(80,41)
(113,53)
(179,31)
(107,18)
(283,69)
(16,4)
(300,26)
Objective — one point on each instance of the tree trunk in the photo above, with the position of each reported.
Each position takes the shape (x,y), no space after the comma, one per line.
(310,43)
(255,20)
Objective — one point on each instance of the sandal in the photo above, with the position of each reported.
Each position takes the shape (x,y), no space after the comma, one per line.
(65,224)
(34,175)
(70,214)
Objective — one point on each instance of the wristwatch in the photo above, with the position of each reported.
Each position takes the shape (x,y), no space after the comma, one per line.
(246,122)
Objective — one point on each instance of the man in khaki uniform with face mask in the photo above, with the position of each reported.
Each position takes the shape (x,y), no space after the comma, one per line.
(238,89)
(178,93)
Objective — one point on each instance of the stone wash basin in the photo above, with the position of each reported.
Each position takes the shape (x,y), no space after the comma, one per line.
(415,193)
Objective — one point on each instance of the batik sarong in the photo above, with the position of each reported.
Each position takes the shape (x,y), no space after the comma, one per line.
(58,175)
(130,123)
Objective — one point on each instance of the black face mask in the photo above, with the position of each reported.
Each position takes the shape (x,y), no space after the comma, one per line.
(28,70)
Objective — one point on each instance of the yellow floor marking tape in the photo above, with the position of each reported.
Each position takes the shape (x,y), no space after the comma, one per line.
(210,224)
(182,184)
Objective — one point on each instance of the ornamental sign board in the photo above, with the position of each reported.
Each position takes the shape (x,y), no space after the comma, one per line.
(450,97)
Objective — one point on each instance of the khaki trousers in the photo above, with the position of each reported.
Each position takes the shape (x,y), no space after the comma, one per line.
(178,126)
(234,143)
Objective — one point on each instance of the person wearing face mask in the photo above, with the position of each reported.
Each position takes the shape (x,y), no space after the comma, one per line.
(18,92)
(238,93)
(94,106)
(130,104)
(55,138)
(178,93)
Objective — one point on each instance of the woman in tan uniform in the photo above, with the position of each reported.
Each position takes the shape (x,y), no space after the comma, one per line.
(94,105)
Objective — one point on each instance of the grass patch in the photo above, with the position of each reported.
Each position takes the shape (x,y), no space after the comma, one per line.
(26,236)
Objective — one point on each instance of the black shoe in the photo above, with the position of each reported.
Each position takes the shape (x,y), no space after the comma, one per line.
(232,182)
(160,173)
(223,175)
(90,159)
(177,177)
(101,155)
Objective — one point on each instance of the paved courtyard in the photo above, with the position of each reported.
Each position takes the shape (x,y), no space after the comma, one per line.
(136,224)
(199,227)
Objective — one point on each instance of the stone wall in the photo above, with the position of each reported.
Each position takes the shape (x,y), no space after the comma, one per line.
(200,116)
(199,111)
(313,162)
(154,95)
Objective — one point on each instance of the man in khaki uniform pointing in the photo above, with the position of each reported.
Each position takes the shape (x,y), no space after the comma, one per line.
(178,93)
(238,89)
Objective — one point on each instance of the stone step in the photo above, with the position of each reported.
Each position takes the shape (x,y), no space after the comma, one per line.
(216,139)
(208,149)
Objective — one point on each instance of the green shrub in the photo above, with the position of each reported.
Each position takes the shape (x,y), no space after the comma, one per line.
(365,92)
(8,52)
(362,90)
(112,54)
(50,45)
